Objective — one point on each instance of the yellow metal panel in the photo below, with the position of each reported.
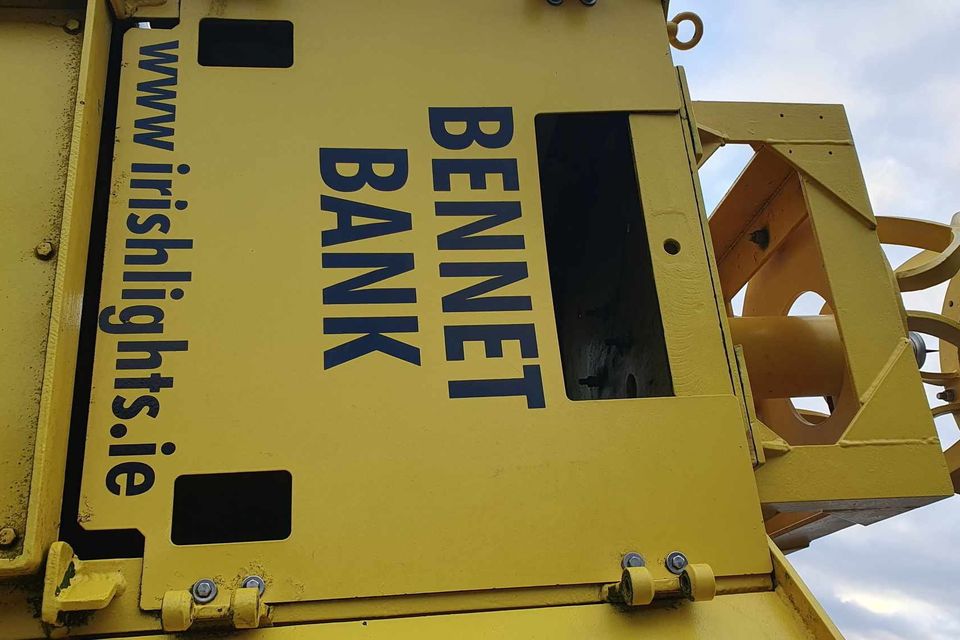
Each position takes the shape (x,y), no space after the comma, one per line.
(48,158)
(760,616)
(691,321)
(439,495)
(771,123)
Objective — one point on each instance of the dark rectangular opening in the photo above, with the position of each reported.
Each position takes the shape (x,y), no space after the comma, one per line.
(604,292)
(232,507)
(246,43)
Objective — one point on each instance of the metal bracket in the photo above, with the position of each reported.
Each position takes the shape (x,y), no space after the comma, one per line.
(241,608)
(69,585)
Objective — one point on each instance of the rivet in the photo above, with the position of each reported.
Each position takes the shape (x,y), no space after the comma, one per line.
(203,591)
(8,535)
(45,250)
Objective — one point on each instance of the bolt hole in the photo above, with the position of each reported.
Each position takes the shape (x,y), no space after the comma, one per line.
(950,304)
(631,386)
(781,115)
(821,117)
(671,246)
(830,152)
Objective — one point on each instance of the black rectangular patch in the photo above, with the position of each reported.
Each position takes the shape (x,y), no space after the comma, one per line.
(232,507)
(605,297)
(246,43)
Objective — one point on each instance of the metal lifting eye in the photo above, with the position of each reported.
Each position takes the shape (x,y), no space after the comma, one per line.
(673,28)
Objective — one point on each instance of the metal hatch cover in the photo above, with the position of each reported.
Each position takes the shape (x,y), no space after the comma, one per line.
(232,387)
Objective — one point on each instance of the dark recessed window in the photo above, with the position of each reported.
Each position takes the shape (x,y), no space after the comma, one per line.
(246,43)
(604,293)
(214,508)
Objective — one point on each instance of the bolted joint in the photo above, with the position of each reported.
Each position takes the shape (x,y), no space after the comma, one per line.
(254,582)
(676,562)
(203,591)
(45,250)
(8,535)
(632,559)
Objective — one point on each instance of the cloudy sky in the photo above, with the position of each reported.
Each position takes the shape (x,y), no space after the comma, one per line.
(894,64)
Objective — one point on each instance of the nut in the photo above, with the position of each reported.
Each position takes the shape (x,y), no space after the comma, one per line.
(8,535)
(45,250)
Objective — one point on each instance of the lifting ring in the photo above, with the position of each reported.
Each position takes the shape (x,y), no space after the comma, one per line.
(673,28)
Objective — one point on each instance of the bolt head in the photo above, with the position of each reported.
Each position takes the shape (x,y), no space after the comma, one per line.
(676,562)
(72,26)
(204,591)
(632,559)
(45,250)
(8,535)
(254,582)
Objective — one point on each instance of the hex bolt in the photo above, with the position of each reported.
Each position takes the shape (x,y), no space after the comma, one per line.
(632,559)
(203,591)
(45,250)
(8,535)
(254,582)
(947,395)
(72,26)
(676,562)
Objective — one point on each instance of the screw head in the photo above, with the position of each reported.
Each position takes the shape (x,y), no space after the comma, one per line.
(254,582)
(676,562)
(8,535)
(555,3)
(947,395)
(45,250)
(203,591)
(632,559)
(589,3)
(72,26)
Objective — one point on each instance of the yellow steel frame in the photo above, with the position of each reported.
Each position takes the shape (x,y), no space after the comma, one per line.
(57,116)
(804,189)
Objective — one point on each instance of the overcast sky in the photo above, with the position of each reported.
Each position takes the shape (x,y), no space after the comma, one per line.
(894,64)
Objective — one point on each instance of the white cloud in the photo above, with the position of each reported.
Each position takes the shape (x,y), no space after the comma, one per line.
(892,64)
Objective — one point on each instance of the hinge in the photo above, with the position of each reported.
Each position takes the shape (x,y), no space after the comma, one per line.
(638,587)
(241,608)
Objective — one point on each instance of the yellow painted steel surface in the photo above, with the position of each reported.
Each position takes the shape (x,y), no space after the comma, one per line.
(266,219)
(388,471)
(50,135)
